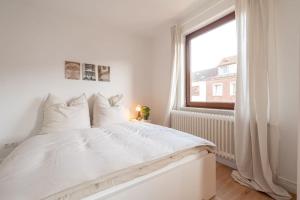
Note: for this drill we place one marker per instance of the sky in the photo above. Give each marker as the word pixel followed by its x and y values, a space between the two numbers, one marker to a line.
pixel 208 49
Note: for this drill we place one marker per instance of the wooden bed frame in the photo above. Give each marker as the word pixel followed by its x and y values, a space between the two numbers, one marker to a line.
pixel 191 178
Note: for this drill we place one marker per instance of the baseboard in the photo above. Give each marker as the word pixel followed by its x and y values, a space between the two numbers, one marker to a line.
pixel 229 163
pixel 287 184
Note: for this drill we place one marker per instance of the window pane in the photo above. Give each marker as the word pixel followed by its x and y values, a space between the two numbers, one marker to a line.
pixel 218 89
pixel 213 65
pixel 232 88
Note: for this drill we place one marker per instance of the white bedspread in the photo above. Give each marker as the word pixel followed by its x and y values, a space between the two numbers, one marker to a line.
pixel 49 163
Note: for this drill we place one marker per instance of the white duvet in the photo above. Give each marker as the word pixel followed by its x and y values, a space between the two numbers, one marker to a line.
pixel 49 163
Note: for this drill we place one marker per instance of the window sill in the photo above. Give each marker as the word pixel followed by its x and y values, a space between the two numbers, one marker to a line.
pixel 208 110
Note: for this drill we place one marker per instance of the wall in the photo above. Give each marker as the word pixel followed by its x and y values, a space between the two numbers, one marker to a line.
pixel 34 44
pixel 298 164
pixel 288 56
pixel 288 63
pixel 161 74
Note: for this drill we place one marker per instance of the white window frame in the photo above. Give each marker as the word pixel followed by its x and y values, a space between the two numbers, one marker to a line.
pixel 232 89
pixel 215 93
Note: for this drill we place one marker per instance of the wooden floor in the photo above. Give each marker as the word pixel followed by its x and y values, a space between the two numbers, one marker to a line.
pixel 228 189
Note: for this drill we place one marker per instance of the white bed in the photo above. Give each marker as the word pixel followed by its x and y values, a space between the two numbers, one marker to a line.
pixel 192 178
pixel 122 161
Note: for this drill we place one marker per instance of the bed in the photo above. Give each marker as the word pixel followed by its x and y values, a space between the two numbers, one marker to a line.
pixel 123 161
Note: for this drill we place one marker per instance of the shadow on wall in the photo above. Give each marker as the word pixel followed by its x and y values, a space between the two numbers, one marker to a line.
pixel 24 118
pixel 39 117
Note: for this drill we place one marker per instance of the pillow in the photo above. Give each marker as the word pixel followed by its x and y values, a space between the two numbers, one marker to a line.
pixel 114 100
pixel 60 116
pixel 107 111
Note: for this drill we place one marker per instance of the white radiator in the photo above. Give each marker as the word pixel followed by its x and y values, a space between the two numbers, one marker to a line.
pixel 217 128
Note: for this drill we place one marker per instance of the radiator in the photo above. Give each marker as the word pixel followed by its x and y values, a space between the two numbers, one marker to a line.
pixel 214 127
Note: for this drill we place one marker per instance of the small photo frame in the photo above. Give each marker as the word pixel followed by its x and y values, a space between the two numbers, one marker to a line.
pixel 103 73
pixel 89 72
pixel 72 70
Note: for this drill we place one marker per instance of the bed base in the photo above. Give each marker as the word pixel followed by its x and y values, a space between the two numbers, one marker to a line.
pixel 192 178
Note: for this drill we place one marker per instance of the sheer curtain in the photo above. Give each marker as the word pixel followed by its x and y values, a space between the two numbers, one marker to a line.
pixel 256 103
pixel 175 87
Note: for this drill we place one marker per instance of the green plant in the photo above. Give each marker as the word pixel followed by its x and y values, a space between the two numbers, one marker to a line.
pixel 145 110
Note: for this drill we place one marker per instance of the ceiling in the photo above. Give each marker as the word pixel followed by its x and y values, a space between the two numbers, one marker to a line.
pixel 139 16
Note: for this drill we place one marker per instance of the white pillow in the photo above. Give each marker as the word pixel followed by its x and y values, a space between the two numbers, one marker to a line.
pixel 60 116
pixel 104 113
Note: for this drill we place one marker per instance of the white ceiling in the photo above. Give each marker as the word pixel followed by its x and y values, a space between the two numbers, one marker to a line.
pixel 139 16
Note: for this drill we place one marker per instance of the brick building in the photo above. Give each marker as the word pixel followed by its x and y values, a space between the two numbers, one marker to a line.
pixel 217 84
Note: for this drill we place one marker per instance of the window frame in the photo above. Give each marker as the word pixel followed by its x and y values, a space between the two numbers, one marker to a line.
pixel 232 90
pixel 188 38
pixel 215 91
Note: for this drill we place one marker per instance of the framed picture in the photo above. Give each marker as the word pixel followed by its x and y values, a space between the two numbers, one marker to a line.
pixel 89 72
pixel 103 73
pixel 72 70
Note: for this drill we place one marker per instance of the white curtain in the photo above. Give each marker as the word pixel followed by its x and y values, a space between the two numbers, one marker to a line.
pixel 256 103
pixel 174 95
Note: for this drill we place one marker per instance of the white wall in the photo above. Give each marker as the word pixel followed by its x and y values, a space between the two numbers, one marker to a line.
pixel 288 62
pixel 288 56
pixel 35 42
pixel 161 73
pixel 298 165
pixel 298 144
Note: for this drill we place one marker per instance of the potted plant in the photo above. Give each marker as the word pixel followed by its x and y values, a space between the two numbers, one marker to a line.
pixel 145 110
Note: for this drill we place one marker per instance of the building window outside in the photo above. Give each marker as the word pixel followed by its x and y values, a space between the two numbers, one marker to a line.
pixel 232 88
pixel 227 70
pixel 217 89
pixel 195 90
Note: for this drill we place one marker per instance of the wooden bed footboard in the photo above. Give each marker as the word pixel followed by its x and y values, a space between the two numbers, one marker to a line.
pixel 193 178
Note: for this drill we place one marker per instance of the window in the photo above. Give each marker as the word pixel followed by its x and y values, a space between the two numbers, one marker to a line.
pixel 232 88
pixel 226 70
pixel 218 89
pixel 211 65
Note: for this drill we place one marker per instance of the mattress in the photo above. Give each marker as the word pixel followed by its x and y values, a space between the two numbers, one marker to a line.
pixel 77 163
pixel 123 176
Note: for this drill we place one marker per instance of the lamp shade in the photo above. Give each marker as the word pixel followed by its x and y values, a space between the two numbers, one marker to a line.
pixel 138 108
